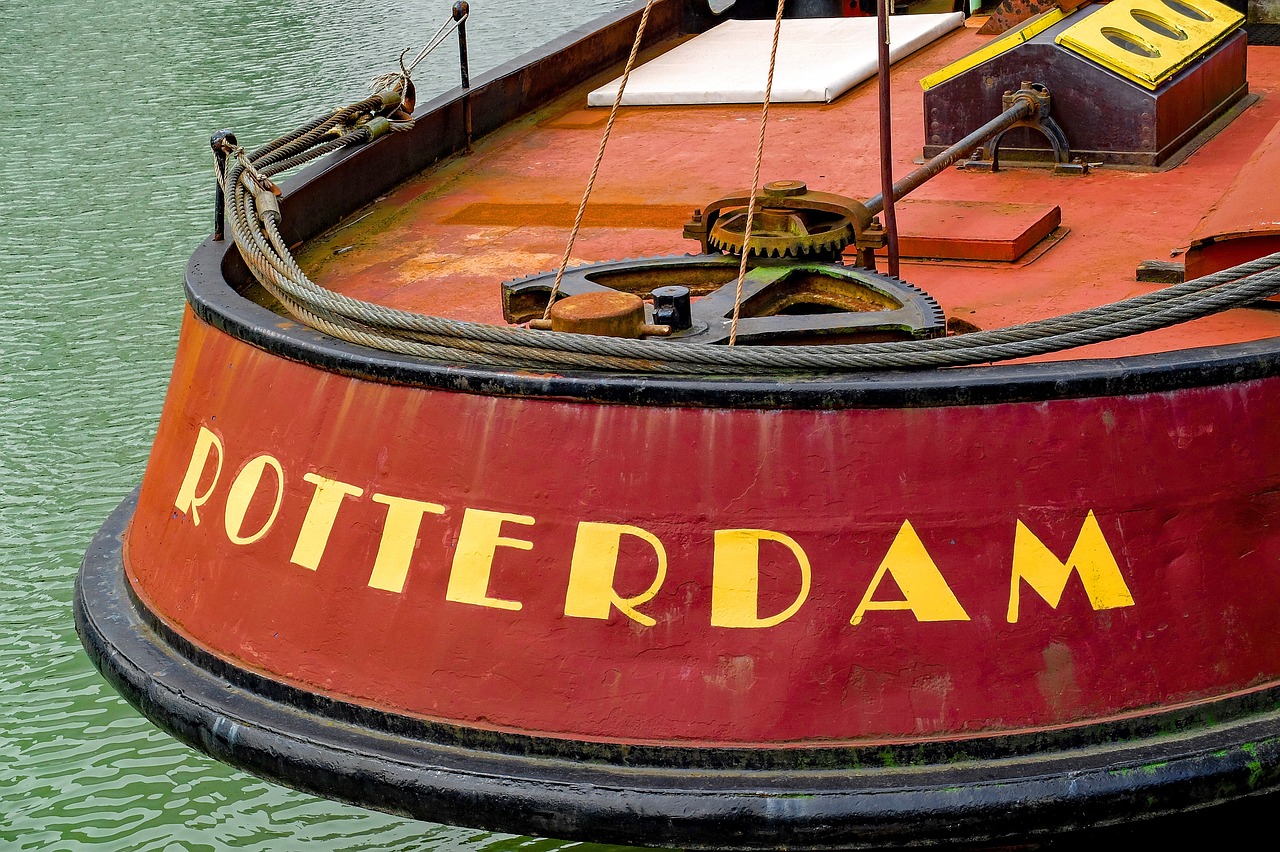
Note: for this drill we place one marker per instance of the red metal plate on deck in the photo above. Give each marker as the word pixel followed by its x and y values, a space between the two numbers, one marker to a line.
pixel 972 230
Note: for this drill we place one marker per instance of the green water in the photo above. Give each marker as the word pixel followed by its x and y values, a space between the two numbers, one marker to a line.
pixel 105 187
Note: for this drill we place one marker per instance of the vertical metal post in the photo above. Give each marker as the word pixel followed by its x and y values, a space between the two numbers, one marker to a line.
pixel 886 139
pixel 220 142
pixel 460 12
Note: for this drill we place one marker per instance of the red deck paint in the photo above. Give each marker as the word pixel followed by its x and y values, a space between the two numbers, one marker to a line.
pixel 425 248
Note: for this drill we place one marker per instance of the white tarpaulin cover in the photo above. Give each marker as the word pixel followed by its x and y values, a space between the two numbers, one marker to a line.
pixel 819 59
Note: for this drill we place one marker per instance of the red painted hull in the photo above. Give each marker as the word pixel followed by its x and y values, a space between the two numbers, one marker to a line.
pixel 829 611
pixel 1177 487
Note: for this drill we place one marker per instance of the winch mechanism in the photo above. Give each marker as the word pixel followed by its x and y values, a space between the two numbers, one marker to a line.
pixel 794 290
pixel 790 222
pixel 693 299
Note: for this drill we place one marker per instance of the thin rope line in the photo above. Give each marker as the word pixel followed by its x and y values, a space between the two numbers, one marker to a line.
pixel 401 81
pixel 755 179
pixel 595 168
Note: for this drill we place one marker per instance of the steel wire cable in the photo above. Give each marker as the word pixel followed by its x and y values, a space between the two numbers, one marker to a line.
pixel 454 341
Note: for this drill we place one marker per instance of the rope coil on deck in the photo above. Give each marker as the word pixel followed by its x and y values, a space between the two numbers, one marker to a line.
pixel 255 220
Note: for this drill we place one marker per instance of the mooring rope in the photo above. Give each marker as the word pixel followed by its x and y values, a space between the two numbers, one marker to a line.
pixel 755 178
pixel 595 168
pixel 254 217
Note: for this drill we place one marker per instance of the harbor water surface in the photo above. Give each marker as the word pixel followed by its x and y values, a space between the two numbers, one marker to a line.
pixel 106 185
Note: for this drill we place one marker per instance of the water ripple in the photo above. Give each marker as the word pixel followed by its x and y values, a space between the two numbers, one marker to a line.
pixel 106 184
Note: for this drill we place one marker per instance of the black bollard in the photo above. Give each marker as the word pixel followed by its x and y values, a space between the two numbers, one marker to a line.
pixel 220 142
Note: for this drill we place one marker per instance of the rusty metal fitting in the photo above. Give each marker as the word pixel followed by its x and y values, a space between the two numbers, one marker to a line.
pixel 223 142
pixel 377 126
pixel 256 181
pixel 391 98
pixel 460 10
pixel 790 220
pixel 1036 94
pixel 606 314
pixel 268 207
pixel 872 237
pixel 1027 107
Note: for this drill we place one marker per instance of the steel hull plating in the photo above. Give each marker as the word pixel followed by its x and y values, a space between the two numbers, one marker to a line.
pixel 785 576
pixel 1048 787
pixel 393 596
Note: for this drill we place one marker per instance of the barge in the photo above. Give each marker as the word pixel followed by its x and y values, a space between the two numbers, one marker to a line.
pixel 813 511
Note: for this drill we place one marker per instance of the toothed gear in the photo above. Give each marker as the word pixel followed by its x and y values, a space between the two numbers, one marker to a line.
pixel 825 301
pixel 789 222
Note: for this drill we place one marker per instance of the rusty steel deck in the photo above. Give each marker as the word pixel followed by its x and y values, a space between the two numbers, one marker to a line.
pixel 443 242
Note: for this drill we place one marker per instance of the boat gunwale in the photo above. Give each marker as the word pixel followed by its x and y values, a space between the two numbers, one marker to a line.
pixel 215 301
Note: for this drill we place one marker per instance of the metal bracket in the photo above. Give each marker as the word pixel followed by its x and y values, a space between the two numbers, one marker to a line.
pixel 987 158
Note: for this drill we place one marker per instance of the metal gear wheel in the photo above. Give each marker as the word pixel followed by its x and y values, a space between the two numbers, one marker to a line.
pixel 790 222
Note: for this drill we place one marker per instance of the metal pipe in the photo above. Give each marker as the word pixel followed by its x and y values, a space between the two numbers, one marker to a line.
pixel 1022 108
pixel 886 139
pixel 460 12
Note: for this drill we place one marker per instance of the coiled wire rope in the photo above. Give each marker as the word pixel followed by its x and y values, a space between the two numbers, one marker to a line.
pixel 254 216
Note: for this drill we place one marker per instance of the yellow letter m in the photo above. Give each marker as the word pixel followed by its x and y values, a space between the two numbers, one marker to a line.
pixel 1091 558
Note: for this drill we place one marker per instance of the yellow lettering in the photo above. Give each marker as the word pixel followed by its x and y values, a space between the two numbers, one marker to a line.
pixel 323 511
pixel 480 536
pixel 735 578
pixel 925 591
pixel 595 561
pixel 1091 558
pixel 399 537
pixel 242 491
pixel 188 501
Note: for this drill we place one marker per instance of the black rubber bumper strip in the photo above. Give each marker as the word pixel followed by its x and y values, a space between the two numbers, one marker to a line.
pixel 971 802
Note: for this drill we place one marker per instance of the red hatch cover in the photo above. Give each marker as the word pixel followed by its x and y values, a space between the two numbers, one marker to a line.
pixel 972 230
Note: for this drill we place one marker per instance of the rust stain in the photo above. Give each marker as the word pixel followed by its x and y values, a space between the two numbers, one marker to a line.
pixel 562 215
pixel 929 700
pixel 1057 682
pixel 579 119
pixel 735 674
